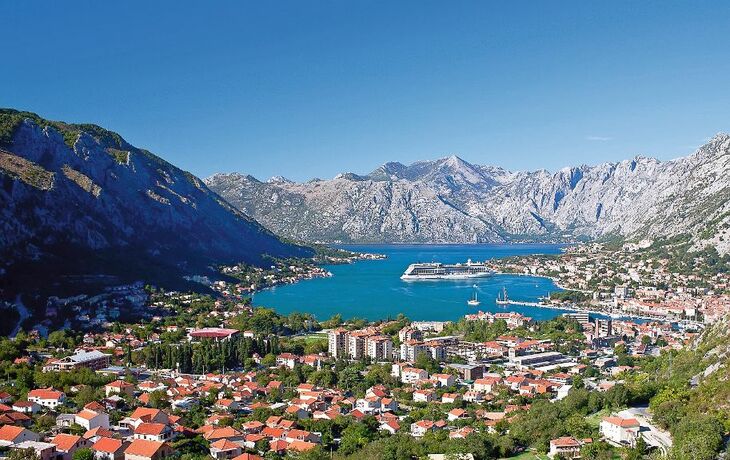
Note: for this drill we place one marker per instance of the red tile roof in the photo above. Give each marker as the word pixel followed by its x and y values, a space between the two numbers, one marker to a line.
pixel 108 445
pixel 45 393
pixel 65 442
pixel 154 429
pixel 622 422
pixel 10 432
pixel 144 448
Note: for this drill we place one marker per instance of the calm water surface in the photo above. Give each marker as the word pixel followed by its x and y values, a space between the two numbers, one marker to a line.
pixel 374 290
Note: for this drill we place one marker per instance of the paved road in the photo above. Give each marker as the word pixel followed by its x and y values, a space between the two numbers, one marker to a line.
pixel 653 435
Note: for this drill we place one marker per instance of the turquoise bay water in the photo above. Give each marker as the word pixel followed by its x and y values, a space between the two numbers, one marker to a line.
pixel 374 290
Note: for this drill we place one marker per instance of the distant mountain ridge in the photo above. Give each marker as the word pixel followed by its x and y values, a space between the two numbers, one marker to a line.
pixel 79 200
pixel 452 201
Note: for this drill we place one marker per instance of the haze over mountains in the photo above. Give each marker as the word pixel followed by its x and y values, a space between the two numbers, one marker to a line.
pixel 80 200
pixel 452 201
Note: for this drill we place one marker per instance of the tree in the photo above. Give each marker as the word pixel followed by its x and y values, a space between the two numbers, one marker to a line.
pixel 158 399
pixel 23 454
pixel 617 397
pixel 268 360
pixel 192 447
pixel 85 395
pixel 83 454
pixel 425 361
pixel 354 437
pixel 578 427
pixel 698 436
pixel 598 450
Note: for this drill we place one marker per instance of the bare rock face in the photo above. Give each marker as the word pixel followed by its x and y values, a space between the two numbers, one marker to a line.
pixel 81 199
pixel 450 200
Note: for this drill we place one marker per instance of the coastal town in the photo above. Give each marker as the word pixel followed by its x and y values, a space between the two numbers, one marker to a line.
pixel 214 377
pixel 365 231
pixel 631 280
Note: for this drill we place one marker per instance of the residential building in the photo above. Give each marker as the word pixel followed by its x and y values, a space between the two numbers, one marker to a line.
pixel 47 397
pixel 356 344
pixel 44 450
pixel 67 444
pixel 338 343
pixel 109 449
pixel 153 432
pixel 10 434
pixel 217 334
pixel 141 449
pixel 379 348
pixel 90 419
pixel 413 375
pixel 620 430
pixel 93 360
pixel 118 387
pixel 566 447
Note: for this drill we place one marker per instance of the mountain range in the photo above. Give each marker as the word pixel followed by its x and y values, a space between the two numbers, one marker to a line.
pixel 79 201
pixel 452 201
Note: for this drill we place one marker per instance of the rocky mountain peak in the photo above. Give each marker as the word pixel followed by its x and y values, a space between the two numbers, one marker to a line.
pixel 451 200
pixel 718 145
pixel 279 180
pixel 349 176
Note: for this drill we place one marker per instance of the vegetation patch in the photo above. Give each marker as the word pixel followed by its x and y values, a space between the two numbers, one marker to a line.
pixel 11 119
pixel 82 181
pixel 27 171
pixel 120 156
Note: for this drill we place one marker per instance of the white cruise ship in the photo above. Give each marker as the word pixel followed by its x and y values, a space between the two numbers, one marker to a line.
pixel 439 271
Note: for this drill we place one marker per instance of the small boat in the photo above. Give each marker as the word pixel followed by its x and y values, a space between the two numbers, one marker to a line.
pixel 504 300
pixel 474 301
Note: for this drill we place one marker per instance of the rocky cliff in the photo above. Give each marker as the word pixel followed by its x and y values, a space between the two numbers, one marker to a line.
pixel 78 200
pixel 451 200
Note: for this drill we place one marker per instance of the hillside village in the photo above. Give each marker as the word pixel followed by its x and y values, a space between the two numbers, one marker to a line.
pixel 218 378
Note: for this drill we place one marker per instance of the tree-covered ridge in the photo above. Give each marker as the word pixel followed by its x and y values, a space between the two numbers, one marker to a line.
pixel 10 120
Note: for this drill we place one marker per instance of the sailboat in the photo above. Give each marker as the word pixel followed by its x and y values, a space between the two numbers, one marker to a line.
pixel 474 301
pixel 504 300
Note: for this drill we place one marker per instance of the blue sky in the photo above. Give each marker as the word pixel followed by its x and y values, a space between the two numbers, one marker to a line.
pixel 309 89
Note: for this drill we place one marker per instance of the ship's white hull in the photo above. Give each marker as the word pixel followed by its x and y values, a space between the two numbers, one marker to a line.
pixel 443 277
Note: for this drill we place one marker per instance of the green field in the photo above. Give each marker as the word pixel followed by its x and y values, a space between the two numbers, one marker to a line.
pixel 595 419
pixel 314 337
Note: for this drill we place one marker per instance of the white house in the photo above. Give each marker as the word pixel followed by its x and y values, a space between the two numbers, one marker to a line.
pixel 11 434
pixel 26 407
pixel 566 447
pixel 90 419
pixel 456 414
pixel 620 430
pixel 158 432
pixel 369 405
pixel 47 397
pixel 423 395
pixel 486 384
pixel 420 428
pixel 444 380
pixel 413 375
